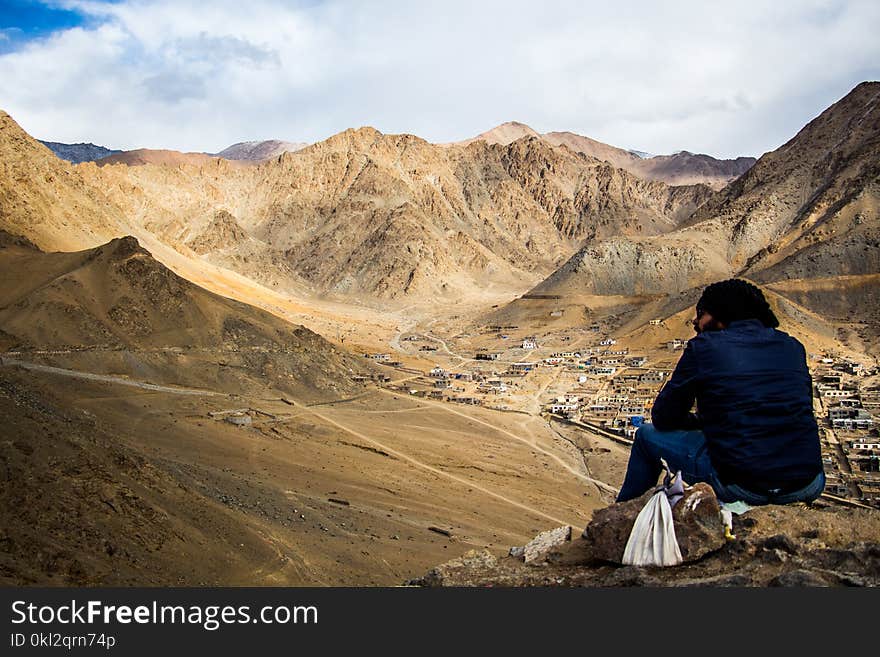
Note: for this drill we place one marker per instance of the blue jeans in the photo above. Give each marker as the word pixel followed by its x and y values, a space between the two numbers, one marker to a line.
pixel 686 451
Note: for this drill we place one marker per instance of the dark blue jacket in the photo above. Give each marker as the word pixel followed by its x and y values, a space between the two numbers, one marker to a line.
pixel 754 404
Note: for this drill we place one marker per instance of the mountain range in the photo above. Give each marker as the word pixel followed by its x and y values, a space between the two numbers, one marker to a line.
pixel 395 218
pixel 247 150
pixel 681 168
pixel 360 213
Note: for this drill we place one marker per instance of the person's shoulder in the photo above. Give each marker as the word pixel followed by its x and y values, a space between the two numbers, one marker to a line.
pixel 706 338
pixel 697 344
pixel 782 336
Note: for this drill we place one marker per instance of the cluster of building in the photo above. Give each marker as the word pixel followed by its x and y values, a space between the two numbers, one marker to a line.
pixel 614 390
pixel 619 404
pixel 851 445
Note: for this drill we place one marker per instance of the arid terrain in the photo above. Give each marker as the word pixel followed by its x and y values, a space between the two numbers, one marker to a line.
pixel 337 363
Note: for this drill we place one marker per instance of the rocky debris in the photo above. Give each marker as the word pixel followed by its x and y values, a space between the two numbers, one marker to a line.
pixel 542 544
pixel 798 578
pixel 452 570
pixel 440 530
pixel 780 542
pixel 792 545
pixel 698 526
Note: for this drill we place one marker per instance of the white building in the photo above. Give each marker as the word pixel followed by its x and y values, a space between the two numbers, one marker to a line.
pixel 865 443
pixel 857 419
pixel 561 409
pixel 838 394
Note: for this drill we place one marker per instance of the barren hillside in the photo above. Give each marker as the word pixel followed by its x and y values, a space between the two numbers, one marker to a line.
pixel 117 300
pixel 48 200
pixel 806 210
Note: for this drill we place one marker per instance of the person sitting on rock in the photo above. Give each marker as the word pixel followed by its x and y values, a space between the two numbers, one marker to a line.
pixel 754 437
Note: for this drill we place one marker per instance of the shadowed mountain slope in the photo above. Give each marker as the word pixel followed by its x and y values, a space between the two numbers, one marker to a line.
pixel 806 210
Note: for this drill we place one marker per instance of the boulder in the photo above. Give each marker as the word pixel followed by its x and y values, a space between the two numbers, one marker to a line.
pixel 542 544
pixel 697 517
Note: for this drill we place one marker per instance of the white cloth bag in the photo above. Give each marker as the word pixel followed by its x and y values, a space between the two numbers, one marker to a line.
pixel 652 540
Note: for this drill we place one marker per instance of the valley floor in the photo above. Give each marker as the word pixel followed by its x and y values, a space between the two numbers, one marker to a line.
pixel 364 491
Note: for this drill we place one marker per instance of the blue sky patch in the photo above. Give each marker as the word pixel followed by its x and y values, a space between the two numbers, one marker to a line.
pixel 22 21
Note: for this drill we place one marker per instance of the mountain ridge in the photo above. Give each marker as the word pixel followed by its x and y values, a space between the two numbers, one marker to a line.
pixel 680 168
pixel 81 152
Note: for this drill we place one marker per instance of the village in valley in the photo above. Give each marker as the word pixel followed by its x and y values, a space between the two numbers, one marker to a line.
pixel 582 377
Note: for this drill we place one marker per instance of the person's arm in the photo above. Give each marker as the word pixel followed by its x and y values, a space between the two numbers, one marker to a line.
pixel 672 408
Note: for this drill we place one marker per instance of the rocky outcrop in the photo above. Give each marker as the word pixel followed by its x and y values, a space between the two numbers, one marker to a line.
pixel 224 232
pixel 539 546
pixel 793 545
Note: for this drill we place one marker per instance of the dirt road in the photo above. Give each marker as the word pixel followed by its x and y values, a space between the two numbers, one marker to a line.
pixel 107 378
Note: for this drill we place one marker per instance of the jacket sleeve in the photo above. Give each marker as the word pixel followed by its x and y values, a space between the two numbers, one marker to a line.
pixel 672 408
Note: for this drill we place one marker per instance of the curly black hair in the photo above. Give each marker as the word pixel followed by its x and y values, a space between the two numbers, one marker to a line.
pixel 735 299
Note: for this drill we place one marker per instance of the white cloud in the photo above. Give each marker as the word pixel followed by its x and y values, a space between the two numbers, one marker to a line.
pixel 732 79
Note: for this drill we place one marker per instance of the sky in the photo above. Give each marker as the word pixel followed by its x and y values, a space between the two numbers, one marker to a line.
pixel 726 79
